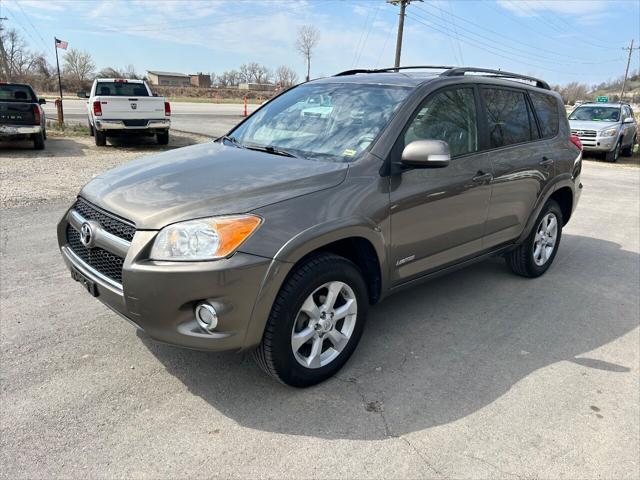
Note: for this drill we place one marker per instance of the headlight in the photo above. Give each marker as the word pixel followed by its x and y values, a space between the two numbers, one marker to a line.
pixel 203 239
pixel 611 132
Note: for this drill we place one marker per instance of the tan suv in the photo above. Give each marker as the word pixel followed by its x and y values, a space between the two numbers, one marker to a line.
pixel 279 236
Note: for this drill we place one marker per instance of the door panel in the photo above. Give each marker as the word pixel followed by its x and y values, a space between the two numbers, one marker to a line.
pixel 521 161
pixel 438 215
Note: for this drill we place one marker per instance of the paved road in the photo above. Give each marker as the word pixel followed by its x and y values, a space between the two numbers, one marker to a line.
pixel 203 118
pixel 479 374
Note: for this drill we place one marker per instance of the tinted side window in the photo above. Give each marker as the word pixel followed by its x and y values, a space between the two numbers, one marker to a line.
pixel 508 117
pixel 547 109
pixel 450 116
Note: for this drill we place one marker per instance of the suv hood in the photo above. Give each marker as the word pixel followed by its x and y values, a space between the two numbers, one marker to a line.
pixel 586 125
pixel 206 180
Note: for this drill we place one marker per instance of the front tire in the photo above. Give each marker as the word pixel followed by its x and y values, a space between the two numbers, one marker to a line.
pixel 628 151
pixel 613 155
pixel 100 138
pixel 315 323
pixel 535 255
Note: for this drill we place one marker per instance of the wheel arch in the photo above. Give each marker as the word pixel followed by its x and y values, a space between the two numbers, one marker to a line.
pixel 361 243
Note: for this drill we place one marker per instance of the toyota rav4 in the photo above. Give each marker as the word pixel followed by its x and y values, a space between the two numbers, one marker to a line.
pixel 280 235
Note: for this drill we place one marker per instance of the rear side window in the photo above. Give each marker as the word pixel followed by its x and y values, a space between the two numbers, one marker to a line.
pixel 121 89
pixel 508 117
pixel 547 109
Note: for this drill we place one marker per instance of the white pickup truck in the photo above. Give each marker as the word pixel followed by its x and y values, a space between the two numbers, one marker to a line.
pixel 124 107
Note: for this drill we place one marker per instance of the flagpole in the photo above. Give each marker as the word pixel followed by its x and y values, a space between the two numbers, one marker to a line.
pixel 60 111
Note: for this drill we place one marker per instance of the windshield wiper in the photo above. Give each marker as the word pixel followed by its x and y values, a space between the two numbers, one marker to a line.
pixel 270 149
pixel 232 140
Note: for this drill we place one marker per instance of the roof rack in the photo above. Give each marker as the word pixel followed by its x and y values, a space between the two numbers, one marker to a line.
pixel 393 69
pixel 450 71
pixel 454 72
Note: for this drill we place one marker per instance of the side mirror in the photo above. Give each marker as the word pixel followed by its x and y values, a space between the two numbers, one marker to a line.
pixel 628 120
pixel 42 101
pixel 426 154
pixel 83 95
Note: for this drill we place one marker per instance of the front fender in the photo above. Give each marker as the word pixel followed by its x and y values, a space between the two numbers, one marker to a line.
pixel 296 248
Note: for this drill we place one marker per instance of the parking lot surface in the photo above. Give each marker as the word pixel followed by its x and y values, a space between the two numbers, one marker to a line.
pixel 479 374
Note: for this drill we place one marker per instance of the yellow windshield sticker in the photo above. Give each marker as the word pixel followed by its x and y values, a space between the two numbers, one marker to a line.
pixel 349 153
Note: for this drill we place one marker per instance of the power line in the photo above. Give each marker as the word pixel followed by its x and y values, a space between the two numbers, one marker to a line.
pixel 562 61
pixel 44 44
pixel 375 15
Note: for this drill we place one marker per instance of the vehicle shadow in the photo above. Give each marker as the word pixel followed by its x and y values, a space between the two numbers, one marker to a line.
pixel 439 351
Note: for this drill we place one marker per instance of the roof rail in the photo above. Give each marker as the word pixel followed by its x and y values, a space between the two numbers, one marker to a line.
pixel 454 72
pixel 392 69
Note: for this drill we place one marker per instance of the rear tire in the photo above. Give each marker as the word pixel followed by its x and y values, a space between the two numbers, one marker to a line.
pixel 628 151
pixel 613 155
pixel 100 137
pixel 535 255
pixel 302 349
pixel 38 141
pixel 163 138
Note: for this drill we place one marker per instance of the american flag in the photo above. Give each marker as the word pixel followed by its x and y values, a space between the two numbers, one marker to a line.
pixel 61 44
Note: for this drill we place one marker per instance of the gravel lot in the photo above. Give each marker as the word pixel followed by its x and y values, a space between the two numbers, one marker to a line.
pixel 57 173
pixel 479 374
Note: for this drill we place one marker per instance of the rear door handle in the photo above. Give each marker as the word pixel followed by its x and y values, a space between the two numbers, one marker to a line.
pixel 482 177
pixel 546 162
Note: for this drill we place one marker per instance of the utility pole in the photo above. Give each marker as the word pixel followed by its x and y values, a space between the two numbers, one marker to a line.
pixel 4 64
pixel 626 72
pixel 403 5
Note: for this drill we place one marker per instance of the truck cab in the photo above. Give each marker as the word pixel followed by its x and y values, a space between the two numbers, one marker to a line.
pixel 126 107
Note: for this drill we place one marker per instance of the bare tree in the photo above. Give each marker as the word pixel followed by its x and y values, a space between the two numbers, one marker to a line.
pixel 78 67
pixel 308 37
pixel 285 76
pixel 572 91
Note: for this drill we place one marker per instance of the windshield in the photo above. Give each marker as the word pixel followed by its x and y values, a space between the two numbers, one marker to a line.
pixel 16 93
pixel 121 89
pixel 596 114
pixel 322 121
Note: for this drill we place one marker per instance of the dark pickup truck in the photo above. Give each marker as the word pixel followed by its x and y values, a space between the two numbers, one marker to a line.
pixel 21 114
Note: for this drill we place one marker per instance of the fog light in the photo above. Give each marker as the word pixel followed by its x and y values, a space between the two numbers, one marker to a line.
pixel 206 316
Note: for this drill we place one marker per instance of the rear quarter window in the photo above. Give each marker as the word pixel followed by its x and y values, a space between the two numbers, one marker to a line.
pixel 547 109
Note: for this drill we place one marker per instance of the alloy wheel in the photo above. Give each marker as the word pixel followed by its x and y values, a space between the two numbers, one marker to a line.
pixel 324 324
pixel 545 240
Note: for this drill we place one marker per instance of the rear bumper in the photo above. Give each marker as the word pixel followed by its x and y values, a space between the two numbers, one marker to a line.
pixel 153 125
pixel 10 130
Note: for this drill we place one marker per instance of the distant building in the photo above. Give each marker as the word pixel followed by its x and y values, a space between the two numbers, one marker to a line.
pixel 265 87
pixel 170 79
pixel 200 80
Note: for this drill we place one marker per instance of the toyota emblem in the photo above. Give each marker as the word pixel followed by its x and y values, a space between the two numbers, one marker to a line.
pixel 87 235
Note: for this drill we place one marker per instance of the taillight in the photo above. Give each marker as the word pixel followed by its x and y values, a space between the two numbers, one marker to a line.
pixel 36 115
pixel 576 141
pixel 97 108
pixel 167 109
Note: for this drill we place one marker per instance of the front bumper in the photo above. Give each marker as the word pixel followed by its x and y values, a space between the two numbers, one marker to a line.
pixel 160 124
pixel 598 144
pixel 11 130
pixel 159 297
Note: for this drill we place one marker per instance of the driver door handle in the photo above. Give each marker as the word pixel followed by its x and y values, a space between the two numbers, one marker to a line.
pixel 482 177
pixel 546 162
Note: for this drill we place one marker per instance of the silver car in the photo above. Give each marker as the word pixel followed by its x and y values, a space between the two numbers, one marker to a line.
pixel 608 128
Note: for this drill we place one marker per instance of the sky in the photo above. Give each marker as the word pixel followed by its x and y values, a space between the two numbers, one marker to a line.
pixel 557 40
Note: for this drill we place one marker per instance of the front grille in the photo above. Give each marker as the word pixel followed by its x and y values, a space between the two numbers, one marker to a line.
pixel 584 133
pixel 111 224
pixel 135 123
pixel 106 263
